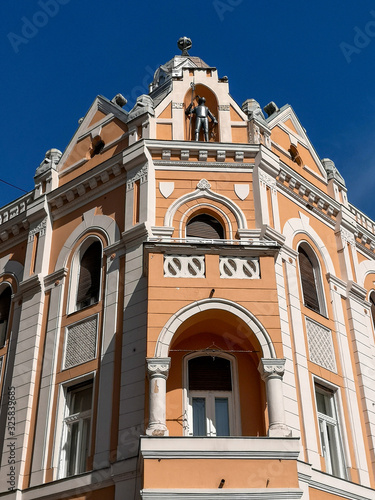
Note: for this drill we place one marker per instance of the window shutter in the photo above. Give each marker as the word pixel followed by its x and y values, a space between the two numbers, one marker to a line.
pixel 310 293
pixel 207 373
pixel 204 226
pixel 89 276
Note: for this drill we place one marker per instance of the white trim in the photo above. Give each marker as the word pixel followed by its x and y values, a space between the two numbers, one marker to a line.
pixel 75 273
pixel 333 485
pixel 295 226
pixel 170 328
pixel 233 399
pixel 230 494
pixel 250 448
pixel 211 195
pixel 212 207
pixel 318 275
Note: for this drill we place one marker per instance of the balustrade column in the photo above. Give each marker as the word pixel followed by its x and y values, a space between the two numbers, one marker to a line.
pixel 157 370
pixel 272 371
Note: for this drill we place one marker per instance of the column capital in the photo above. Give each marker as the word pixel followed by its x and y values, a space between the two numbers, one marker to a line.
pixel 271 367
pixel 158 367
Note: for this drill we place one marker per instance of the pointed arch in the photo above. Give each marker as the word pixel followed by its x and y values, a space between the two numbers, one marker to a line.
pixel 166 335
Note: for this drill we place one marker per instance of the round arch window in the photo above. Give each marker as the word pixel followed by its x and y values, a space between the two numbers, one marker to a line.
pixel 204 226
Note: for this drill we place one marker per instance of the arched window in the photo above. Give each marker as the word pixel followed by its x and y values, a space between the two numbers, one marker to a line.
pixel 89 276
pixel 372 302
pixel 5 303
pixel 204 226
pixel 210 398
pixel 310 279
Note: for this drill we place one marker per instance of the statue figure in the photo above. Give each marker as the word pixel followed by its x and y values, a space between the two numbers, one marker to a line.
pixel 202 113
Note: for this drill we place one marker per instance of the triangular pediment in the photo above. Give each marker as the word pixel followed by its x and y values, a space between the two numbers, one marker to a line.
pixel 104 119
pixel 287 131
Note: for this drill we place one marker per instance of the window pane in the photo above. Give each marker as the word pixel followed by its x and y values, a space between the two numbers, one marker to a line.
pixel 335 452
pixel 199 417
pixel 89 276
pixel 209 374
pixel 82 400
pixel 222 417
pixel 73 447
pixel 310 293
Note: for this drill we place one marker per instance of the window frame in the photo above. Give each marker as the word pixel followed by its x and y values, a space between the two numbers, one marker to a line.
pixel 318 278
pixel 234 409
pixel 341 449
pixel 62 414
pixel 75 274
pixel 3 286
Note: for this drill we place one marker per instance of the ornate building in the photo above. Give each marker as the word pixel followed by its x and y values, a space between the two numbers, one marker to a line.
pixel 183 318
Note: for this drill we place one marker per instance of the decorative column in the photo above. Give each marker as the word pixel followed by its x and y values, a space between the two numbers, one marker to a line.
pixel 157 370
pixel 272 371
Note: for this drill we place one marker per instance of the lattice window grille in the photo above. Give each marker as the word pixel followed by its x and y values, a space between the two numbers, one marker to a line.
pixel 320 345
pixel 80 345
pixel 184 266
pixel 239 267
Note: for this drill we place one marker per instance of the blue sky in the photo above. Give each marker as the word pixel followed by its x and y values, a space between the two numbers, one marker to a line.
pixel 57 55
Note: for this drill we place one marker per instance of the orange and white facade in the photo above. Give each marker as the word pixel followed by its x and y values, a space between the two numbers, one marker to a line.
pixel 187 319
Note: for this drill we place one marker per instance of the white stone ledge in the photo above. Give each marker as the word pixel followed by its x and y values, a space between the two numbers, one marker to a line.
pixel 232 494
pixel 220 447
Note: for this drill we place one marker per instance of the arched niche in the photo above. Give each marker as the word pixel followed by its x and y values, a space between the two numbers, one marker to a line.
pixel 217 334
pixel 213 106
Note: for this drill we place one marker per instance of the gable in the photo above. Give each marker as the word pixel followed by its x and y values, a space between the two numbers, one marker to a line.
pixel 291 143
pixel 97 138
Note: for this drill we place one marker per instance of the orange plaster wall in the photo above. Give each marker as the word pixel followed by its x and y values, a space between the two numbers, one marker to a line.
pixel 17 253
pixel 239 134
pixel 290 125
pixel 99 115
pixel 186 182
pixel 216 331
pixel 204 473
pixel 282 138
pixel 164 131
pixel 167 112
pixel 168 295
pixel 111 204
pixel 110 132
pixel 234 116
pixel 322 495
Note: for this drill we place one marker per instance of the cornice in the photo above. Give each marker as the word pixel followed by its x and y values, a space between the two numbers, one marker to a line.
pixel 54 279
pixel 140 231
pixel 356 291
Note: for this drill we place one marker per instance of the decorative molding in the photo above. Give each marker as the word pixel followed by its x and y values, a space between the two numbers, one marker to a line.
pixel 239 267
pixel 184 266
pixel 242 191
pixel 266 180
pixel 177 105
pixel 224 107
pixel 140 175
pixel 158 367
pixel 203 184
pixel 271 367
pixel 166 188
pixel 347 236
pixel 202 155
pixel 56 278
pixel 40 228
pixel 227 494
pixel 320 344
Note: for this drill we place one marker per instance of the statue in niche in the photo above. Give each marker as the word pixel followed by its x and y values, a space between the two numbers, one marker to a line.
pixel 202 113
